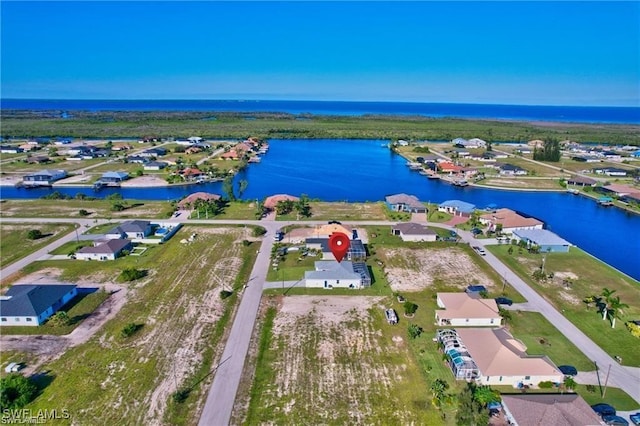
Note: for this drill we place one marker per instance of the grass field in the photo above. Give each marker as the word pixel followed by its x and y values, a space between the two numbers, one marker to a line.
pixel 97 208
pixel 341 211
pixel 335 360
pixel 15 245
pixel 113 380
pixel 588 276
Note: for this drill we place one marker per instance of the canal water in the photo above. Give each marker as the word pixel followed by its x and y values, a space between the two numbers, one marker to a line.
pixel 366 170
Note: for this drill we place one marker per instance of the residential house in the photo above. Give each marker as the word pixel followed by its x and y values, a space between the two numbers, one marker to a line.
pixel 121 147
pixel 154 165
pixel 331 274
pixel 271 201
pixel 230 155
pixel 636 154
pixel 545 240
pixel 191 173
pixel 31 304
pixel 356 251
pixel 405 203
pixel 457 208
pixel 586 158
pixel 28 147
pixel 104 250
pixel 413 232
pixel 581 180
pixel 531 409
pixel 147 139
pixel 192 150
pixel 153 152
pixel 512 170
pixel 492 356
pixel 619 190
pixel 611 171
pixel 462 309
pixel 9 149
pixel 137 159
pixel 130 229
pixel 114 177
pixel 509 220
pixel 190 200
pixel 536 143
pixel 37 159
pixel 44 177
pixel 449 168
pixel 471 143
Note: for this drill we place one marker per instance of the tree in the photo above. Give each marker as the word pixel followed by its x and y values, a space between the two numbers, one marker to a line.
pixel 470 411
pixel 414 331
pixel 606 296
pixel 410 308
pixel 83 212
pixel 302 205
pixel 499 229
pixel 227 188
pixel 569 383
pixel 616 308
pixel 485 395
pixel 242 187
pixel 505 314
pixel 438 390
pixel 284 207
pixel 34 234
pixel 550 151
pixel 16 391
pixel 131 274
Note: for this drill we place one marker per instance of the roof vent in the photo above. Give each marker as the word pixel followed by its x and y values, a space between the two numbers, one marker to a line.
pixel 5 297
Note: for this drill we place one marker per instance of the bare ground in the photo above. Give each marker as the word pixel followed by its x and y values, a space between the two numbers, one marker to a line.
pixel 415 270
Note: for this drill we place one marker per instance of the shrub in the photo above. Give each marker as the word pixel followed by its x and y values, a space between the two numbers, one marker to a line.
pixel 545 385
pixel 83 212
pixel 633 328
pixel 410 308
pixel 34 234
pixel 414 331
pixel 225 293
pixel 59 319
pixel 246 243
pixel 130 329
pixel 131 274
pixel 17 391
pixel 180 395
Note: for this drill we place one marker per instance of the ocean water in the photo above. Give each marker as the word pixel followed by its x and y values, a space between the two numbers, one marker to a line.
pixel 364 170
pixel 576 114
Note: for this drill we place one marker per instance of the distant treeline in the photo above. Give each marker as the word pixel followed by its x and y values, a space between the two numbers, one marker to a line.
pixel 238 125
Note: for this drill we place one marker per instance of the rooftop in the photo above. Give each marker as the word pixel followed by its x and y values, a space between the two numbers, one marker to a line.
pixel 510 219
pixel 410 228
pixel 108 247
pixel 552 409
pixel 462 305
pixel 541 237
pixel 410 200
pixel 459 205
pixel 31 299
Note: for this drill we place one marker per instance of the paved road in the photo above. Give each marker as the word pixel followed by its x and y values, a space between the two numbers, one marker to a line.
pixel 220 400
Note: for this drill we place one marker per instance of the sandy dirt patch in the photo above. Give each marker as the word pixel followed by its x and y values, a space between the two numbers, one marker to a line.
pixel 81 178
pixel 415 270
pixel 330 354
pixel 144 181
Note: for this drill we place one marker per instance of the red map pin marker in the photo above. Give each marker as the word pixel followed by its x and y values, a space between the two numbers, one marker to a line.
pixel 339 245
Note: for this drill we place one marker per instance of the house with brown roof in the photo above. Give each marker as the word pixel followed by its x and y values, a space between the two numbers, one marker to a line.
pixel 450 168
pixel 413 232
pixel 502 360
pixel 510 221
pixel 271 201
pixel 549 409
pixel 461 309
pixel 190 173
pixel 620 190
pixel 189 201
pixel 581 180
pixel 230 155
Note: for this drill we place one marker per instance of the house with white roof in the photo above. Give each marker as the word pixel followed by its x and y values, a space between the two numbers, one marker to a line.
pixel 44 177
pixel 330 274
pixel 462 309
pixel 546 240
pixel 405 203
pixel 31 305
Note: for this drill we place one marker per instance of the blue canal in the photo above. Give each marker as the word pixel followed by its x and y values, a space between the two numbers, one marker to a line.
pixel 364 170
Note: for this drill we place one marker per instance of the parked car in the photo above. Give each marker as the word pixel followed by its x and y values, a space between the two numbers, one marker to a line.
pixel 635 418
pixel 475 288
pixel 505 301
pixel 568 370
pixel 334 222
pixel 615 420
pixel 392 317
pixel 14 367
pixel 604 409
pixel 480 250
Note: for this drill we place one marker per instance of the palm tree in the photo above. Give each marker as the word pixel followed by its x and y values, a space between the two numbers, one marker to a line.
pixel 607 296
pixel 615 309
pixel 438 389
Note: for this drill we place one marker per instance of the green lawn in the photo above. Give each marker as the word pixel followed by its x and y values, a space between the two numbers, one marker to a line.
pixel 234 210
pixel 71 247
pixel 14 244
pixel 614 396
pixel 592 276
pixel 98 208
pixel 175 338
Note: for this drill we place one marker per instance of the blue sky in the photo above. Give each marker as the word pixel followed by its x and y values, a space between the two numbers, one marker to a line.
pixel 537 53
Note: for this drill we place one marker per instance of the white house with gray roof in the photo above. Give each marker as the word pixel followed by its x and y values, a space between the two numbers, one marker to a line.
pixel 331 274
pixel 413 232
pixel 130 229
pixel 546 240
pixel 31 305
pixel 405 203
pixel 106 250
pixel 43 177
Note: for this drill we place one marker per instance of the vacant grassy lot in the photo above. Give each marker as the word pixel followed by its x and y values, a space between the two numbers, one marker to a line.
pixel 586 276
pixel 15 245
pixel 523 182
pixel 97 209
pixel 341 211
pixel 233 210
pixel 335 360
pixel 116 380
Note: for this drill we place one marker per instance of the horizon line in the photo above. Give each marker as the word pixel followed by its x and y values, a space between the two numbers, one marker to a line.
pixel 312 100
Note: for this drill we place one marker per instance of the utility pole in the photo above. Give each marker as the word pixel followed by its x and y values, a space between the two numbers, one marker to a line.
pixel 606 380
